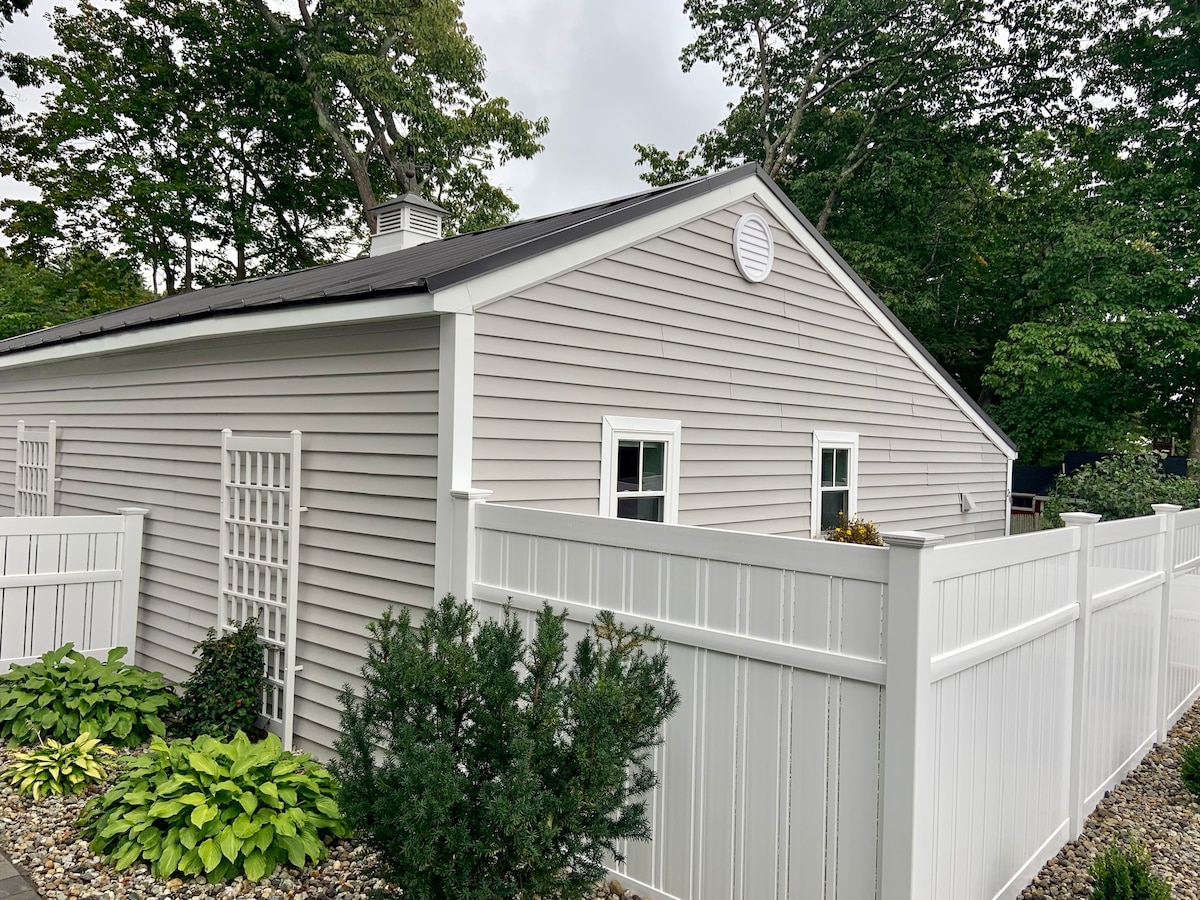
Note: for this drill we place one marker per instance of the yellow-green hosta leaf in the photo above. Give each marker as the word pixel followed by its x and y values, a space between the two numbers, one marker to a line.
pixel 202 815
pixel 230 843
pixel 256 866
pixel 210 854
pixel 202 763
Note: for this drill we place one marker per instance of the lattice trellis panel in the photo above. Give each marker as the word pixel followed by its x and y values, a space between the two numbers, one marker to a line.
pixel 260 539
pixel 35 470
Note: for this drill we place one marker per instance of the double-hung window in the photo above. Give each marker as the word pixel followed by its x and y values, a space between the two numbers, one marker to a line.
pixel 835 478
pixel 639 469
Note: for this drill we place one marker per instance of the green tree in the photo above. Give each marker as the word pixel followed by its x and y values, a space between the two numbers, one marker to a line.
pixel 1110 345
pixel 180 135
pixel 479 765
pixel 398 88
pixel 72 286
pixel 1120 486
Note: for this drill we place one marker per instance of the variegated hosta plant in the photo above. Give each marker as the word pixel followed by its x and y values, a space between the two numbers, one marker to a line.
pixel 206 807
pixel 58 768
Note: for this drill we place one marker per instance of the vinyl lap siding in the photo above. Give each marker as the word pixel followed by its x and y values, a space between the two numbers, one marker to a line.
pixel 143 429
pixel 668 329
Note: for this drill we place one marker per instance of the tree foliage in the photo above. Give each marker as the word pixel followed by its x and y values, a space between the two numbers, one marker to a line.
pixel 1016 181
pixel 214 140
pixel 1120 486
pixel 178 135
pixel 72 286
pixel 400 82
pixel 479 765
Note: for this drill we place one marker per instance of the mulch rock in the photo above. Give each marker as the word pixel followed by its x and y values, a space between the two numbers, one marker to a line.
pixel 1150 807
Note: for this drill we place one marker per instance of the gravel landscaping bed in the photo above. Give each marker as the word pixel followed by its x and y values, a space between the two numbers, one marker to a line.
pixel 42 839
pixel 1150 807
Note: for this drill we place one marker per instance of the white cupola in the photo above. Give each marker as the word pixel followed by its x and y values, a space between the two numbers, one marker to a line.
pixel 406 222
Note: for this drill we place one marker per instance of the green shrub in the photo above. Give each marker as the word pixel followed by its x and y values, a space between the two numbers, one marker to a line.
pixel 1189 767
pixel 854 531
pixel 57 768
pixel 66 693
pixel 477 765
pixel 216 809
pixel 1120 486
pixel 1124 874
pixel 224 693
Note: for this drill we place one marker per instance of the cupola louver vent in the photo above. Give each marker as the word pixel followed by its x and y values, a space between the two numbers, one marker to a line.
pixel 406 222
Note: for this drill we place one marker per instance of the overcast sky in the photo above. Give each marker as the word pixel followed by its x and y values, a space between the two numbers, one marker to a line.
pixel 605 72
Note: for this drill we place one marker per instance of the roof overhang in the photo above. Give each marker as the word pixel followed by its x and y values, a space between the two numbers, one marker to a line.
pixel 281 318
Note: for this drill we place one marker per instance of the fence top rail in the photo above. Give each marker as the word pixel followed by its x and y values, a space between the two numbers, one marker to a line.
pixel 1121 530
pixel 954 560
pixel 41 525
pixel 769 551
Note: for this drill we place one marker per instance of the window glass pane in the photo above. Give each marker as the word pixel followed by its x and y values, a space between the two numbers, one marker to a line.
pixel 832 503
pixel 628 454
pixel 835 466
pixel 827 467
pixel 654 455
pixel 648 509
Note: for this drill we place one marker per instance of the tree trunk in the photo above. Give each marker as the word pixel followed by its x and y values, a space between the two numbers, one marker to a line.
pixel 1194 443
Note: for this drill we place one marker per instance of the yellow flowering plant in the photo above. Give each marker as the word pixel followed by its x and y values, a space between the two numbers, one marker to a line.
pixel 854 531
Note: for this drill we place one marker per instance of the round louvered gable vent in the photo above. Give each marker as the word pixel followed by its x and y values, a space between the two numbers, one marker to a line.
pixel 753 247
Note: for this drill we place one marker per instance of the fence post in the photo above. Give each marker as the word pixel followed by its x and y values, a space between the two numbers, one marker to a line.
pixel 131 579
pixel 462 559
pixel 1086 523
pixel 906 836
pixel 1162 706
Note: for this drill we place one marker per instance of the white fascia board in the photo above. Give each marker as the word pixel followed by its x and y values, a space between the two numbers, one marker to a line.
pixel 276 318
pixel 848 284
pixel 504 282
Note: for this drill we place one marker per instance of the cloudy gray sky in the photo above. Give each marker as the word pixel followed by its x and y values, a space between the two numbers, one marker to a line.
pixel 606 73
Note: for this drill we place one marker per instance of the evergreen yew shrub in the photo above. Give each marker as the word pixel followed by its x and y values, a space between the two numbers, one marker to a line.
pixel 478 765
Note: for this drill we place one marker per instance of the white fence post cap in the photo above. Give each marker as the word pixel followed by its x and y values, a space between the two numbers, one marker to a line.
pixel 1080 518
pixel 133 511
pixel 916 539
pixel 1163 509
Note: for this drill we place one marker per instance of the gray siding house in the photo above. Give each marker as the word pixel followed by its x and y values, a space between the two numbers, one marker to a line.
pixel 693 354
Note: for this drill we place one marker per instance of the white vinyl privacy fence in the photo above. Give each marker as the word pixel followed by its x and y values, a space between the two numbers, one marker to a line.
pixel 921 721
pixel 69 578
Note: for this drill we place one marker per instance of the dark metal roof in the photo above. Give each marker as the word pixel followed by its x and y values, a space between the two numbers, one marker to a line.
pixel 440 264
pixel 421 269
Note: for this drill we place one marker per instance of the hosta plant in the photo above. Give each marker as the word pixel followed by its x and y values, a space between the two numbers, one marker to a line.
pixel 216 809
pixel 58 768
pixel 66 693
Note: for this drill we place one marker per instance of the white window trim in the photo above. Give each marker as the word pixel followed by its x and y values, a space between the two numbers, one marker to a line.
pixel 628 428
pixel 833 440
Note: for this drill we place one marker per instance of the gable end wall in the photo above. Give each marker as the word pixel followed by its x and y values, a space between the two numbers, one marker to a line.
pixel 669 329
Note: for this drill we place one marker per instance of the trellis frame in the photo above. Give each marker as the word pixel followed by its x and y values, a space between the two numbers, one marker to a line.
pixel 259 547
pixel 34 477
